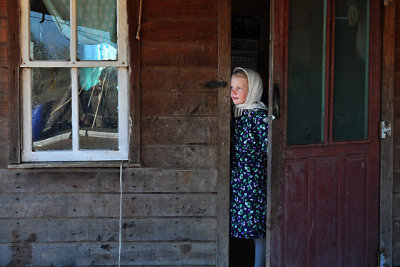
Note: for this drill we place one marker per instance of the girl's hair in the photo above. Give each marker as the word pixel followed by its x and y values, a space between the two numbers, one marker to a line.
pixel 239 72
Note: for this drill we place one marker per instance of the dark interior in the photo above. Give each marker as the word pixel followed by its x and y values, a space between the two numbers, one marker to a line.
pixel 250 48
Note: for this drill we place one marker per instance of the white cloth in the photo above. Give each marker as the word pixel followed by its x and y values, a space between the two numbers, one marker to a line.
pixel 253 100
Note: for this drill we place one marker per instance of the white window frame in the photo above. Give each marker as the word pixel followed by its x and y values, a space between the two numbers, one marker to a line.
pixel 73 64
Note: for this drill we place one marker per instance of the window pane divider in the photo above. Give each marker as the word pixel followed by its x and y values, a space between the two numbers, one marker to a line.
pixel 72 64
pixel 75 109
pixel 73 40
pixel 25 31
pixel 27 110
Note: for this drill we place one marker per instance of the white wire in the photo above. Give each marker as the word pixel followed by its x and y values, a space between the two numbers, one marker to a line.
pixel 120 215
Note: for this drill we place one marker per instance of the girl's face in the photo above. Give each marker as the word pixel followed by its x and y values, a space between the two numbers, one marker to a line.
pixel 239 89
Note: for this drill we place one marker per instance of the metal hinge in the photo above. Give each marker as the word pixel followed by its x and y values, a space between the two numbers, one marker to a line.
pixel 385 129
pixel 382 261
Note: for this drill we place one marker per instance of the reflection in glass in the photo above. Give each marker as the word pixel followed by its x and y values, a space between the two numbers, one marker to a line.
pixel 97 29
pixel 51 109
pixel 49 29
pixel 98 109
pixel 306 89
pixel 350 102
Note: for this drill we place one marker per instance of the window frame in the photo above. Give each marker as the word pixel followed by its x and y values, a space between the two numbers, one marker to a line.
pixel 73 65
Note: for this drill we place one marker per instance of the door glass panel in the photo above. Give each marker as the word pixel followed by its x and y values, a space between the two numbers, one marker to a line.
pixel 97 29
pixel 350 101
pixel 306 72
pixel 51 109
pixel 50 30
pixel 98 110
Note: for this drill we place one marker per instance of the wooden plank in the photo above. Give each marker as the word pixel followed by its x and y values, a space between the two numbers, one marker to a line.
pixel 103 229
pixel 13 82
pixel 3 54
pixel 180 131
pixel 179 31
pixel 134 82
pixel 103 181
pixel 16 205
pixel 158 80
pixel 297 184
pixel 224 108
pixel 387 154
pixel 179 156
pixel 4 132
pixel 4 155
pixel 3 8
pixel 3 106
pixel 173 104
pixel 3 80
pixel 106 254
pixel 180 9
pixel 177 54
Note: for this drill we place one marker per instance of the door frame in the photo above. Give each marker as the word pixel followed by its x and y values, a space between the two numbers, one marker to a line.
pixel 387 114
pixel 223 148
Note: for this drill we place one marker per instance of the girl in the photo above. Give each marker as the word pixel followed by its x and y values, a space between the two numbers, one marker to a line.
pixel 248 160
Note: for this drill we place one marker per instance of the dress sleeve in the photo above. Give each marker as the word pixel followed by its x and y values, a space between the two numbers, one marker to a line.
pixel 262 132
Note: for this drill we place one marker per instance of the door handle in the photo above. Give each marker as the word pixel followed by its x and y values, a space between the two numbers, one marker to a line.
pixel 276 101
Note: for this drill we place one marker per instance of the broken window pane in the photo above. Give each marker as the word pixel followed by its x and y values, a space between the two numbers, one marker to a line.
pixel 49 30
pixel 51 109
pixel 97 29
pixel 98 109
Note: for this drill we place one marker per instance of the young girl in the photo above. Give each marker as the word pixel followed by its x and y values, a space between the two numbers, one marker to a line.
pixel 248 160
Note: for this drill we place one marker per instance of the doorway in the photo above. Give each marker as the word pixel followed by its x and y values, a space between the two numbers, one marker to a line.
pixel 249 49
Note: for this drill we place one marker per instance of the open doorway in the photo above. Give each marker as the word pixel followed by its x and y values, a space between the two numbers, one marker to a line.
pixel 250 49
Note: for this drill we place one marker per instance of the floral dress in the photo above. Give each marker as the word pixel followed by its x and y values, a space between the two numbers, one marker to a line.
pixel 248 174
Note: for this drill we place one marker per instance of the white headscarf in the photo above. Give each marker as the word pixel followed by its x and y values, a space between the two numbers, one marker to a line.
pixel 254 95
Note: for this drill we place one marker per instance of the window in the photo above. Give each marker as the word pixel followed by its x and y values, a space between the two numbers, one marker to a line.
pixel 74 80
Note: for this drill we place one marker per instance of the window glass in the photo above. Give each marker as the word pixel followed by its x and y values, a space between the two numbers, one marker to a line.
pixel 49 38
pixel 97 29
pixel 350 102
pixel 306 77
pixel 98 110
pixel 51 109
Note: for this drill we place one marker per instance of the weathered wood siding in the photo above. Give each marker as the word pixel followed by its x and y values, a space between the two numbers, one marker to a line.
pixel 396 150
pixel 70 216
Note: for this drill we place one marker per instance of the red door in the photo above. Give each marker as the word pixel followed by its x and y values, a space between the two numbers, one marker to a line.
pixel 325 162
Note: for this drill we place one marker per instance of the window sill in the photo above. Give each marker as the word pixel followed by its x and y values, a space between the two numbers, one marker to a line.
pixel 97 164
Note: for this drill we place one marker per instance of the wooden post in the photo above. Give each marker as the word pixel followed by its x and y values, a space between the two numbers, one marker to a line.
pixel 13 81
pixel 224 66
pixel 386 172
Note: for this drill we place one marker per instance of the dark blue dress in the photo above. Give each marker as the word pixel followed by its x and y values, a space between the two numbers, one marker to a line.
pixel 248 174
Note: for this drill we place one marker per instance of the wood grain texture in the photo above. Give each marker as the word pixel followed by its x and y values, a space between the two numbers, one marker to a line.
pixel 179 131
pixel 106 253
pixel 14 58
pixel 59 181
pixel 104 229
pixel 177 80
pixel 4 130
pixel 180 156
pixel 179 55
pixel 386 149
pixel 180 9
pixel 16 205
pixel 179 104
pixel 179 31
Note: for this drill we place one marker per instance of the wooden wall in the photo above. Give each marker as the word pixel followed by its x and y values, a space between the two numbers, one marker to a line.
pixel 69 216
